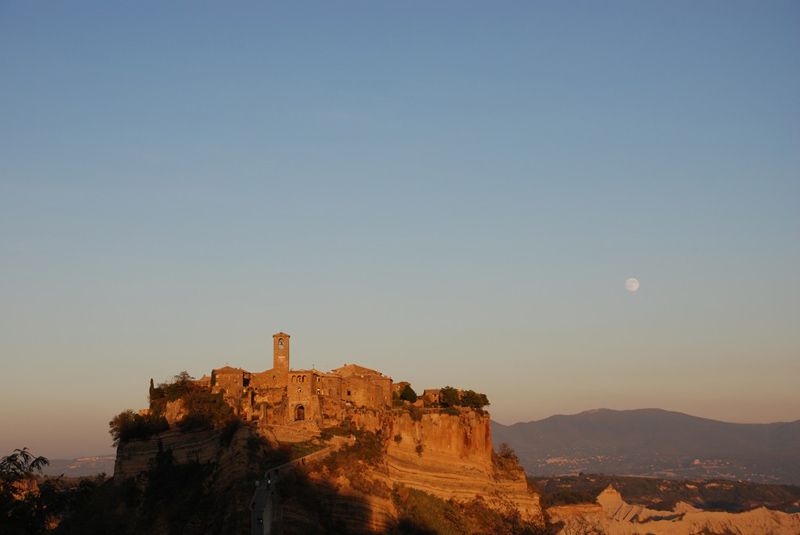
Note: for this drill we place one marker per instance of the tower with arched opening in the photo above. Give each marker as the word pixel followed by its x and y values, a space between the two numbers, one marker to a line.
pixel 280 352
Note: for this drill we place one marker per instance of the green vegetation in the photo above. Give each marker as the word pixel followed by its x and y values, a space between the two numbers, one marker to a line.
pixel 505 460
pixel 21 511
pixel 31 505
pixel 451 397
pixel 367 449
pixel 203 410
pixel 408 394
pixel 423 514
pixel 19 465
pixel 356 461
pixel 474 400
pixel 415 412
pixel 663 494
pixel 344 429
pixel 128 425
pixel 181 385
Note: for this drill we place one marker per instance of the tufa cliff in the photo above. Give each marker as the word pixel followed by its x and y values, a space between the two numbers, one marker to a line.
pixel 374 456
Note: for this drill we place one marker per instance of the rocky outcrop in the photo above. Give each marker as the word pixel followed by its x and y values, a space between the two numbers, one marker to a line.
pixel 613 516
pixel 137 456
pixel 447 455
pixel 174 412
pixel 450 456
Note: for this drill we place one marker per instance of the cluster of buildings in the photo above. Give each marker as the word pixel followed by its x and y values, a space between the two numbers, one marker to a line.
pixel 305 398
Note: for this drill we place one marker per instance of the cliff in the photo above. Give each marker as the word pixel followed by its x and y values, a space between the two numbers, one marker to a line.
pixel 136 457
pixel 451 456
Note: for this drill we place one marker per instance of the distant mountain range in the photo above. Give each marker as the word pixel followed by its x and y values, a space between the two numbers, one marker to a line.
pixel 82 466
pixel 657 443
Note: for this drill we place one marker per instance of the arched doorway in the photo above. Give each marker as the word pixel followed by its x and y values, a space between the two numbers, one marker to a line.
pixel 299 413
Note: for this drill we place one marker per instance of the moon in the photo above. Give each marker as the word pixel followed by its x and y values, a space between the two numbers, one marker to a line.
pixel 632 284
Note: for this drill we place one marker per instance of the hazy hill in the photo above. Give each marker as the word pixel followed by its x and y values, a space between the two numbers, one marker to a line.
pixel 82 466
pixel 655 442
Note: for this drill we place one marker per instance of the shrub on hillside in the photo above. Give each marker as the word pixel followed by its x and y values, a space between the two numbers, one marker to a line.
pixel 505 459
pixel 423 513
pixel 181 386
pixel 451 397
pixel 205 410
pixel 448 397
pixel 408 394
pixel 415 413
pixel 474 400
pixel 368 448
pixel 128 425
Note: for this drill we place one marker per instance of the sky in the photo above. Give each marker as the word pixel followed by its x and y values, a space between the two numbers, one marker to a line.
pixel 453 193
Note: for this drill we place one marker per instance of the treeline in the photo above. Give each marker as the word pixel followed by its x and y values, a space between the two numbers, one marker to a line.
pixel 449 397
pixel 452 397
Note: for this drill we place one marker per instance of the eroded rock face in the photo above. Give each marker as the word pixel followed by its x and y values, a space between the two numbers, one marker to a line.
pixel 613 516
pixel 136 457
pixel 174 412
pixel 450 456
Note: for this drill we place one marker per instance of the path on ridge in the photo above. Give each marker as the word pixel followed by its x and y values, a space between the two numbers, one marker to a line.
pixel 264 501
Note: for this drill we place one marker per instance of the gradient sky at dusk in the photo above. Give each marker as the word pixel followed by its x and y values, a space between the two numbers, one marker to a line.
pixel 449 192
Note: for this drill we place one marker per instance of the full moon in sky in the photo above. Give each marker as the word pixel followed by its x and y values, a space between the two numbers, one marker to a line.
pixel 632 284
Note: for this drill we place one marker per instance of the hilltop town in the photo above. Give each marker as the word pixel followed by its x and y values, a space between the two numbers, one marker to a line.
pixel 365 442
pixel 293 405
pixel 305 399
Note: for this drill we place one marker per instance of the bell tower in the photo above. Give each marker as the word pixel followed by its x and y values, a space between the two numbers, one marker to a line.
pixel 280 352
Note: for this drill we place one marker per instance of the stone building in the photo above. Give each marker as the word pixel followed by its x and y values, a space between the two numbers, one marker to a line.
pixel 306 398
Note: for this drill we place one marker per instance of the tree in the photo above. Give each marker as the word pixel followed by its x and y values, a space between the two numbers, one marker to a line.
pixel 128 425
pixel 183 378
pixel 507 452
pixel 448 397
pixel 473 399
pixel 20 464
pixel 22 508
pixel 408 394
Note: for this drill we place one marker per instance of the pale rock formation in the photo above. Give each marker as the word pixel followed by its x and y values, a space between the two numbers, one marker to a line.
pixel 613 516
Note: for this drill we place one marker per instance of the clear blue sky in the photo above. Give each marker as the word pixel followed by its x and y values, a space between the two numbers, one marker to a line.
pixel 450 192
